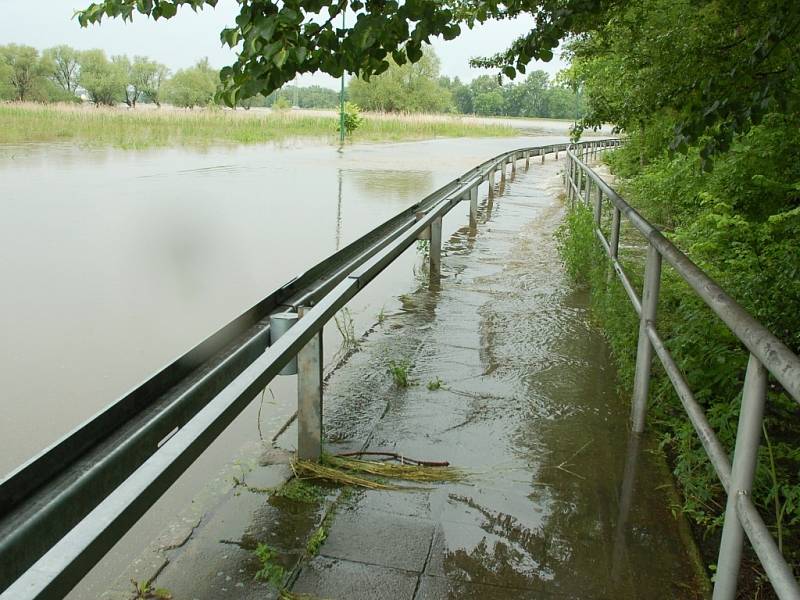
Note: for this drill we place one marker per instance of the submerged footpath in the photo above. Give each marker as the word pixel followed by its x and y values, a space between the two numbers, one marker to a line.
pixel 510 381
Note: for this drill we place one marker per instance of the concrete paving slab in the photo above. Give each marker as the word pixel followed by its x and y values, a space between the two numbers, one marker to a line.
pixel 379 538
pixel 462 552
pixel 344 580
pixel 409 504
pixel 440 588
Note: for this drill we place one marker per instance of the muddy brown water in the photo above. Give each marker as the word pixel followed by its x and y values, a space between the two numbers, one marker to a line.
pixel 115 262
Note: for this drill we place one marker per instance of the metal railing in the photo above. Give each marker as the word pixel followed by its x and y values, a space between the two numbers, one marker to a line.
pixel 65 508
pixel 767 355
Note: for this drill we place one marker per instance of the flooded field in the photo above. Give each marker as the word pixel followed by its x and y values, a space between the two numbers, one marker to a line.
pixel 116 262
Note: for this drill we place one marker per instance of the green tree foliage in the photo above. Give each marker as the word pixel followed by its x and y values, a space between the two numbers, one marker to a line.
pixel 194 86
pixel 63 65
pixel 104 81
pixel 408 87
pixel 144 78
pixel 313 96
pixel 535 96
pixel 24 73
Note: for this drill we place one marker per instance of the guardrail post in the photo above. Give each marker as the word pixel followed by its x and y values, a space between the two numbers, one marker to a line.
pixel 556 152
pixel 542 152
pixel 644 352
pixel 309 397
pixel 514 166
pixel 527 160
pixel 745 459
pixel 473 206
pixel 503 173
pixel 435 249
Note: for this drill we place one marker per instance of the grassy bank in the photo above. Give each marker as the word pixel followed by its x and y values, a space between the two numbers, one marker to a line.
pixel 147 127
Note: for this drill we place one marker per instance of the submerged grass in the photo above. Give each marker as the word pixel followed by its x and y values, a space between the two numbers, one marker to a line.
pixel 147 127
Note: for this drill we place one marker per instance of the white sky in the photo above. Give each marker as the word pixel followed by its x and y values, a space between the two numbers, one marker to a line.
pixel 181 41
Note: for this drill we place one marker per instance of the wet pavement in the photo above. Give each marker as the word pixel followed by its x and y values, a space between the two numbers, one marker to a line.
pixel 560 502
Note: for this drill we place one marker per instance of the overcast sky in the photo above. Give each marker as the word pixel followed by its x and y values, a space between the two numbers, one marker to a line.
pixel 182 40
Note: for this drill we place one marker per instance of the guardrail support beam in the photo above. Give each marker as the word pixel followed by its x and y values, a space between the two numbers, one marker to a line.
pixel 527 159
pixel 436 248
pixel 743 469
pixel 644 352
pixel 309 397
pixel 473 206
pixel 514 166
pixel 503 173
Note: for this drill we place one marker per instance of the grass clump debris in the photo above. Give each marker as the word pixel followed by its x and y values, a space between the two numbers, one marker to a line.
pixel 374 475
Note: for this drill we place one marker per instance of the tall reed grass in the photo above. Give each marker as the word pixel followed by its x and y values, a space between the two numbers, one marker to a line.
pixel 148 127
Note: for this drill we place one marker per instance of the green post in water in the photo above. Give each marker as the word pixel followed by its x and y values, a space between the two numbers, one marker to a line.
pixel 341 100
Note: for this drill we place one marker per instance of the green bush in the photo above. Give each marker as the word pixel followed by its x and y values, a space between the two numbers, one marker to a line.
pixel 352 118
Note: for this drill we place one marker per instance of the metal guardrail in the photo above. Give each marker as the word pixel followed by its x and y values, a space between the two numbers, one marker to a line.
pixel 767 355
pixel 65 508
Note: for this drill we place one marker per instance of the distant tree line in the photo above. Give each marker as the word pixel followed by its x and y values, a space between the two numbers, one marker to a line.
pixel 64 74
pixel 418 87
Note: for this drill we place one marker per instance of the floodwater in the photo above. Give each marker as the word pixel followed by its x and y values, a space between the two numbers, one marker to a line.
pixel 558 500
pixel 115 262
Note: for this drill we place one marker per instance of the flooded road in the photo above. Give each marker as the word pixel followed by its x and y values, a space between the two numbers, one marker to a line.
pixel 558 500
pixel 116 262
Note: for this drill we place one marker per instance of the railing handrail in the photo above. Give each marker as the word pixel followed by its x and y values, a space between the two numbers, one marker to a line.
pixel 767 354
pixel 772 352
pixel 62 510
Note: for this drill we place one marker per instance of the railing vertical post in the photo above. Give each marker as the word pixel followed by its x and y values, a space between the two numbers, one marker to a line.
pixel 491 183
pixel 309 397
pixel 514 166
pixel 503 172
pixel 473 206
pixel 598 207
pixel 556 152
pixel 588 190
pixel 542 153
pixel 745 459
pixel 435 248
pixel 644 352
pixel 615 222
pixel 527 160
